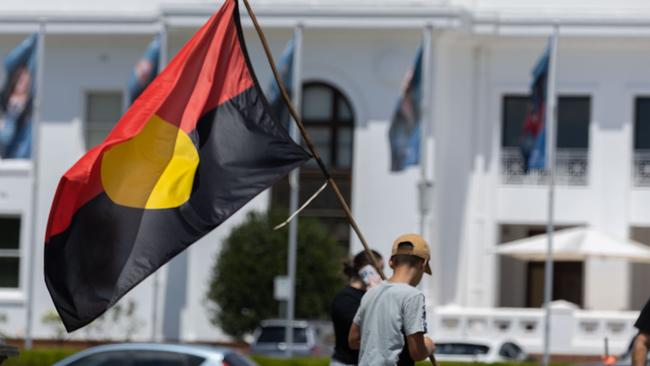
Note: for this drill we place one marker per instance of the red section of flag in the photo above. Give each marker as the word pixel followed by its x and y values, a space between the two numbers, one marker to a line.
pixel 534 119
pixel 209 70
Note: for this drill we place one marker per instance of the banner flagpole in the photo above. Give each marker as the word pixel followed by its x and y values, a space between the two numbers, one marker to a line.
pixel 294 184
pixel 551 117
pixel 36 123
pixel 309 143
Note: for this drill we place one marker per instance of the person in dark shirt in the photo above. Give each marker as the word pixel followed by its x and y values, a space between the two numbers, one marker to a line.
pixel 361 275
pixel 642 340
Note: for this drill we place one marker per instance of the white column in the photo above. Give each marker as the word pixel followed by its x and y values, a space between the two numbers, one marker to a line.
pixel 610 166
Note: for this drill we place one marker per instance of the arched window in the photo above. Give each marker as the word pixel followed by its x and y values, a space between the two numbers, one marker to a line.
pixel 329 119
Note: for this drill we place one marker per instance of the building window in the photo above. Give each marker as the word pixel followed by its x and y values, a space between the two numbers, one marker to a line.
pixel 103 110
pixel 329 118
pixel 642 141
pixel 9 252
pixel 573 119
pixel 327 115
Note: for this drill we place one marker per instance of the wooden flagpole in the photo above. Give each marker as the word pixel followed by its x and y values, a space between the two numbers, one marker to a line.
pixel 309 143
pixel 312 148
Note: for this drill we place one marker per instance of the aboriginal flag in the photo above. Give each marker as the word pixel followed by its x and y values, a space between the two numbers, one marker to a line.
pixel 194 147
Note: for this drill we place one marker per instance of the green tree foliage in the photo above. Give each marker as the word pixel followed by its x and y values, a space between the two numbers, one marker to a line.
pixel 241 284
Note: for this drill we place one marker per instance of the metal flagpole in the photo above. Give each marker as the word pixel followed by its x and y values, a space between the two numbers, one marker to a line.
pixel 425 186
pixel 294 184
pixel 36 123
pixel 162 62
pixel 551 116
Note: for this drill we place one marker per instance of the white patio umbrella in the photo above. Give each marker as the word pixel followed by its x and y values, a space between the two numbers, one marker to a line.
pixel 576 244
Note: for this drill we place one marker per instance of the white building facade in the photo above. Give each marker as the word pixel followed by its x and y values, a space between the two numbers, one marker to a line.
pixel 482 55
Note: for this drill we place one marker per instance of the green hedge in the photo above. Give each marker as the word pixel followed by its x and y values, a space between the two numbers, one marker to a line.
pixel 40 357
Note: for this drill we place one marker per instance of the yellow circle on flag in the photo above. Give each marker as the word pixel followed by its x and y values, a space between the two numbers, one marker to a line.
pixel 154 169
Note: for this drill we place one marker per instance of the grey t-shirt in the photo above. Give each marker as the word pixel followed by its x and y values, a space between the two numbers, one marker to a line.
pixel 387 313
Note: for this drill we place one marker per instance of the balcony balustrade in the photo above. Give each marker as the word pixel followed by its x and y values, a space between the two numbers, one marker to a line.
pixel 641 168
pixel 572 168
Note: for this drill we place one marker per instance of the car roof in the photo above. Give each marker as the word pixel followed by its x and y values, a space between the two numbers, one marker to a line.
pixel 204 351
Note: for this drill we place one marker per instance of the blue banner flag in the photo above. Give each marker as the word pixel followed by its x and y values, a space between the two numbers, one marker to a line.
pixel 534 134
pixel 404 133
pixel 145 70
pixel 285 68
pixel 16 100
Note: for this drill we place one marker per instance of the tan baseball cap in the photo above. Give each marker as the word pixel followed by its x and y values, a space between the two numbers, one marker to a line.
pixel 420 248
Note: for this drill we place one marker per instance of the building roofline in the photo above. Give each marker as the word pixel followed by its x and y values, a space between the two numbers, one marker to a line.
pixel 322 16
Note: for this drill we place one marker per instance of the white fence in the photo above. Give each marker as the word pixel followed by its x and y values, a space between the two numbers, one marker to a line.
pixel 573 331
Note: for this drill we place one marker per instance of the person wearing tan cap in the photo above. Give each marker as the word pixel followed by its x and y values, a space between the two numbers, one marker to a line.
pixel 393 315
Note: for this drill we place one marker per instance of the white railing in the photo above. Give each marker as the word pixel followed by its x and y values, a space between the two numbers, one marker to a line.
pixel 641 168
pixel 573 331
pixel 572 168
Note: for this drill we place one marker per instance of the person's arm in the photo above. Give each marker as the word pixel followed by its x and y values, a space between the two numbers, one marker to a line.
pixel 414 316
pixel 420 346
pixel 354 337
pixel 640 349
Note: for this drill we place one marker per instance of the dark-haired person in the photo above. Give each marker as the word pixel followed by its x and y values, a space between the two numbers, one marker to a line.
pixel 393 314
pixel 361 275
pixel 642 341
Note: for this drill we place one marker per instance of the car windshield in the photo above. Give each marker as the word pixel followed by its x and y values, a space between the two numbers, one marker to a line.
pixel 275 334
pixel 467 349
